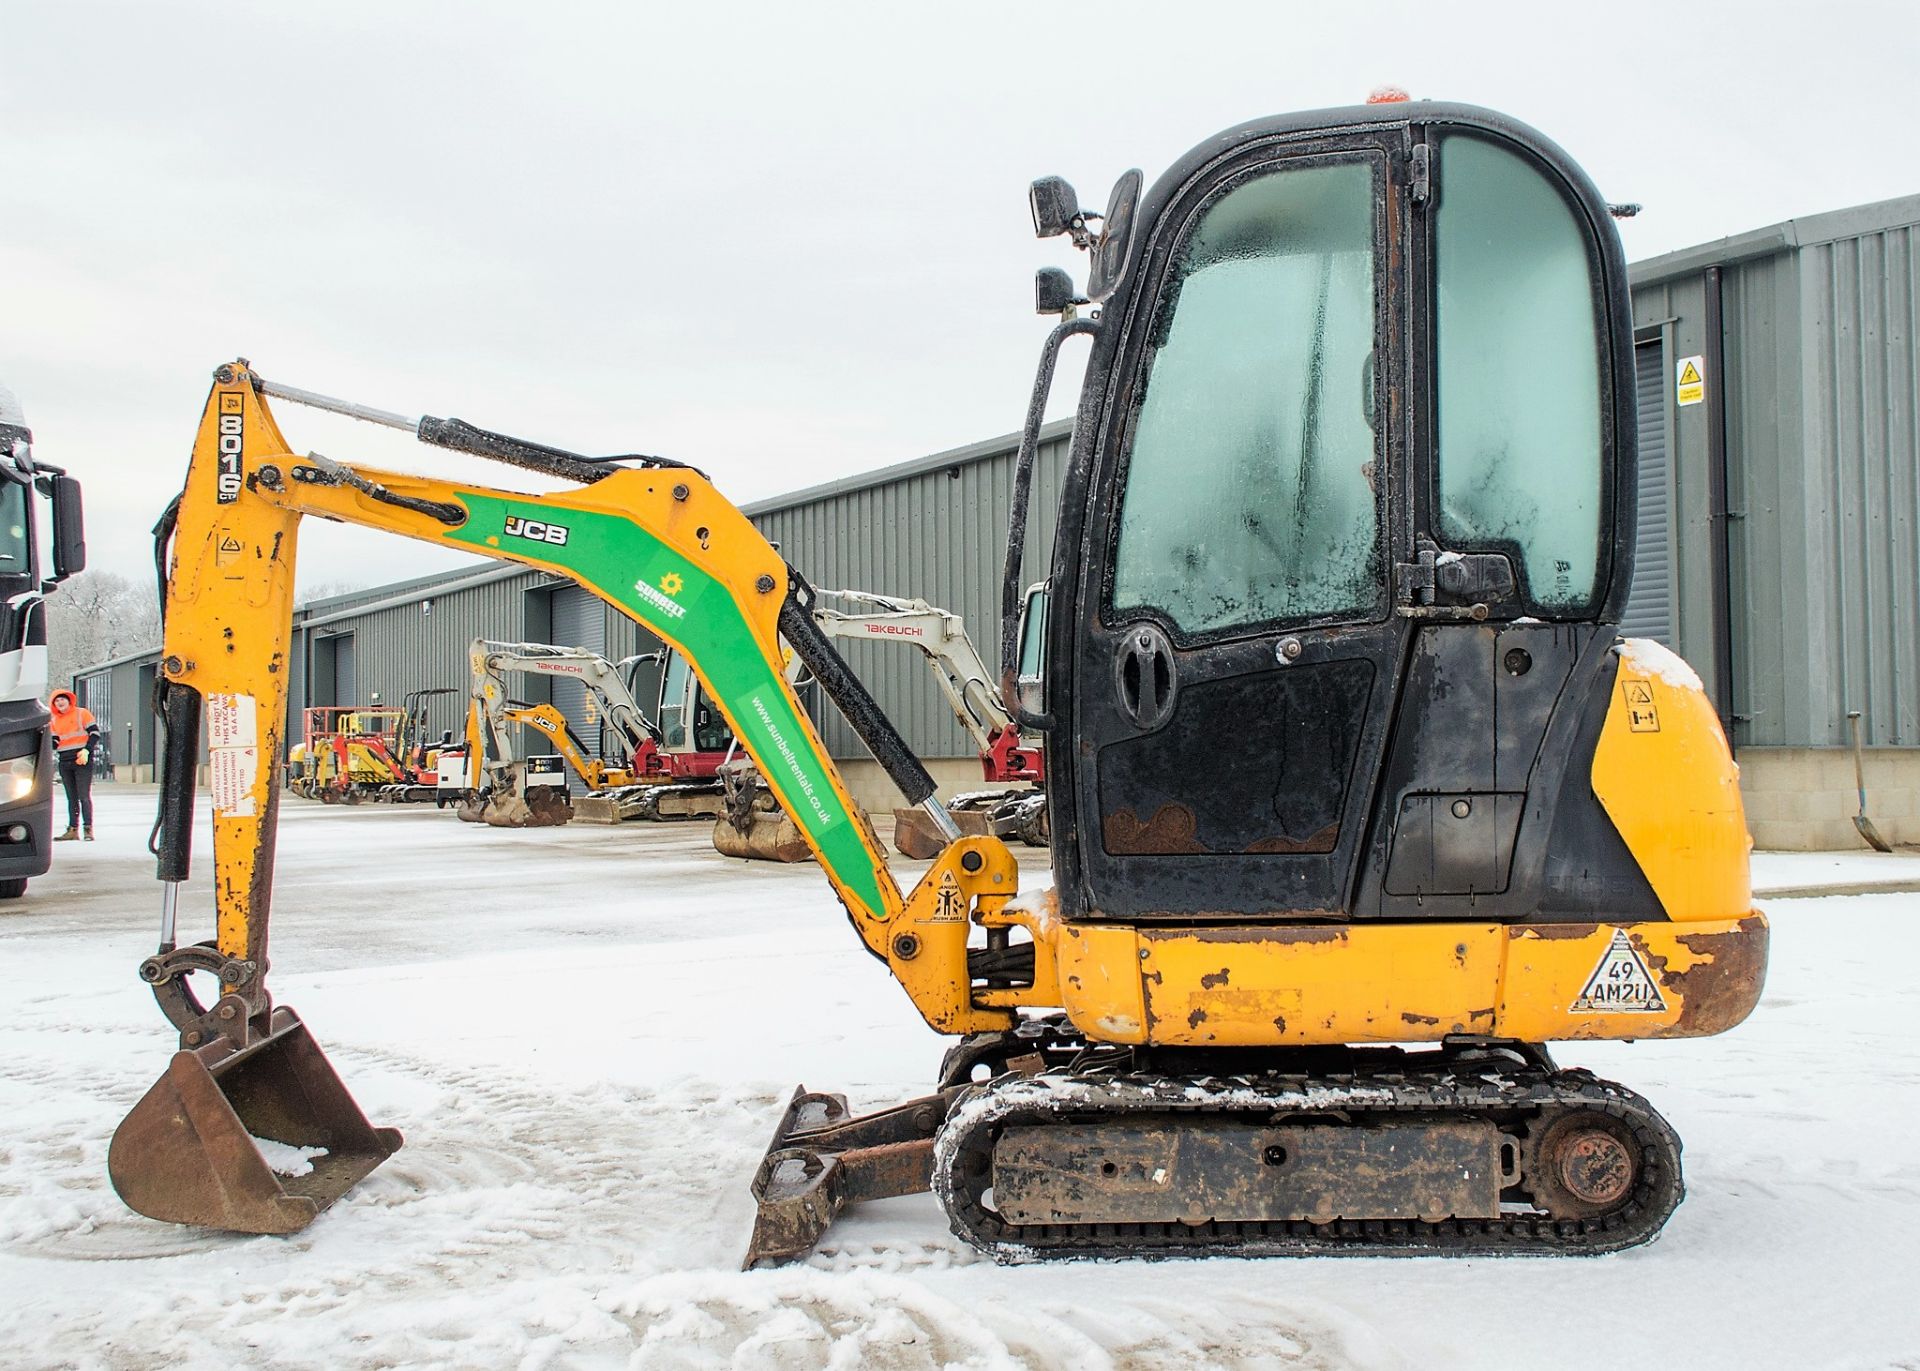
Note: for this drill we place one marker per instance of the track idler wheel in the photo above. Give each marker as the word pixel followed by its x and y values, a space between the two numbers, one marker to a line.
pixel 1582 1165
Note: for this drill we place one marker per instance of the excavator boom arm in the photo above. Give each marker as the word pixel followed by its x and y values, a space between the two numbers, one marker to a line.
pixel 551 724
pixel 659 544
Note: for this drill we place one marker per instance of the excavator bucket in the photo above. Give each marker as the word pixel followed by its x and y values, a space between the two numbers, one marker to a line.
pixel 540 807
pixel 762 837
pixel 914 834
pixel 192 1149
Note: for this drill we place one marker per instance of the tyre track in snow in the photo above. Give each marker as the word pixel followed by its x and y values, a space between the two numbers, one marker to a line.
pixel 535 1225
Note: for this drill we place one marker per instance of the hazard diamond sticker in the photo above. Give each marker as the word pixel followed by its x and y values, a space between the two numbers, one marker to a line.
pixel 1690 380
pixel 949 906
pixel 1621 984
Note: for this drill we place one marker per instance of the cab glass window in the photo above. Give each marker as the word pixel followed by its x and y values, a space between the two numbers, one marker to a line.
pixel 1033 633
pixel 1519 466
pixel 16 551
pixel 1250 493
pixel 673 703
pixel 710 731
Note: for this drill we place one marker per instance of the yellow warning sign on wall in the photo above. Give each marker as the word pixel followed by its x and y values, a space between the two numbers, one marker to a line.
pixel 1690 381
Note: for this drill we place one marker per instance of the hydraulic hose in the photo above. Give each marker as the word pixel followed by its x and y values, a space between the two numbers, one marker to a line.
pixel 849 693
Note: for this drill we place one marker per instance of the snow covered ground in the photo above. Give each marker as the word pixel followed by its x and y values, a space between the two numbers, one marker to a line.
pixel 586 1035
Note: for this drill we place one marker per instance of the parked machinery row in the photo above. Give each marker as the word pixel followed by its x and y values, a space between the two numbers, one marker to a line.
pixel 680 761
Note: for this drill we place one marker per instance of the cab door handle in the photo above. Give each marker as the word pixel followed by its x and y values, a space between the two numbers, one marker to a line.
pixel 1144 677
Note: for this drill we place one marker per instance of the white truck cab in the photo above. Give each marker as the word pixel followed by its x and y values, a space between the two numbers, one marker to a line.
pixel 26 744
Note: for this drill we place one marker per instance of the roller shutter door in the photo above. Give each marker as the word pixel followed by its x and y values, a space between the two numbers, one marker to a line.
pixel 1649 612
pixel 579 620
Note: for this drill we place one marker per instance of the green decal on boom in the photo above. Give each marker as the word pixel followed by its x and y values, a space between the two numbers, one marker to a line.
pixel 661 589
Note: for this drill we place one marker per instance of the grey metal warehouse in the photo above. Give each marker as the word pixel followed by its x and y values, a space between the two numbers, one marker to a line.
pixel 1779 541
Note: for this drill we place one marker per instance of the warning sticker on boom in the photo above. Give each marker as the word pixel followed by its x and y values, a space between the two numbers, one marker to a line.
pixel 1621 984
pixel 234 771
pixel 949 905
pixel 233 720
pixel 233 752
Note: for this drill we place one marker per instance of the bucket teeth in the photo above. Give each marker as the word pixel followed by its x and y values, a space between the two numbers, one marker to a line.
pixel 187 1152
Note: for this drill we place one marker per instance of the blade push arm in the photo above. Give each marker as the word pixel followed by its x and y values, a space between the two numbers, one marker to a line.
pixel 659 544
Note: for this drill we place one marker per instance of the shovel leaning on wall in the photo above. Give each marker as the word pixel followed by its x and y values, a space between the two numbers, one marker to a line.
pixel 1860 820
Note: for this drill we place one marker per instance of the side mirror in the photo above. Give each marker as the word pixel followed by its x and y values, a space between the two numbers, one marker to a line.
pixel 1056 209
pixel 69 529
pixel 1030 681
pixel 1053 291
pixel 1116 234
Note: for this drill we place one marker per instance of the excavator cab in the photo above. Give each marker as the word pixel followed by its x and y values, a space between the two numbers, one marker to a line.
pixel 1357 518
pixel 416 745
pixel 688 721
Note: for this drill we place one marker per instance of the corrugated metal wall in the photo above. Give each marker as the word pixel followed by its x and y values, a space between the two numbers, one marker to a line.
pixel 578 619
pixel 95 693
pixel 1775 582
pixel 1649 612
pixel 400 648
pixel 1860 302
pixel 939 533
pixel 1822 395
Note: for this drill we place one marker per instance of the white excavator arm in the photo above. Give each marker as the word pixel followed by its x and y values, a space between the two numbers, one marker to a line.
pixel 605 681
pixel 941 636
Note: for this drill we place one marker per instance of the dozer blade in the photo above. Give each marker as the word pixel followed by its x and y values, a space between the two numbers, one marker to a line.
pixel 613 807
pixel 187 1152
pixel 766 838
pixel 821 1160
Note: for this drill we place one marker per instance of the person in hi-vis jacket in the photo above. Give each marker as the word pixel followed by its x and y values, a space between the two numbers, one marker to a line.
pixel 75 736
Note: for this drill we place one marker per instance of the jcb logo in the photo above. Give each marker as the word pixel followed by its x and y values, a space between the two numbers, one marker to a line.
pixel 537 531
pixel 232 435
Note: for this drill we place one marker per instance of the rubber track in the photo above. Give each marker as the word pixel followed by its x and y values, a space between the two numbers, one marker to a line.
pixel 647 804
pixel 962 1162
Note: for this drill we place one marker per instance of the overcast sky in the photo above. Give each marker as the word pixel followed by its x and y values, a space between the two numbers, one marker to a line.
pixel 785 243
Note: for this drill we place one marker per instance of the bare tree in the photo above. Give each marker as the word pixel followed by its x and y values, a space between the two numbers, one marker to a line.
pixel 100 615
pixel 321 590
pixel 95 617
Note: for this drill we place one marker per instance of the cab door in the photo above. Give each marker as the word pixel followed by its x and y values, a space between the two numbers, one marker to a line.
pixel 1236 677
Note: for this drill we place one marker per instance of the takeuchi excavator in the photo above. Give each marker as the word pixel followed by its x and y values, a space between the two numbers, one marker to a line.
pixel 497 781
pixel 751 827
pixel 1352 481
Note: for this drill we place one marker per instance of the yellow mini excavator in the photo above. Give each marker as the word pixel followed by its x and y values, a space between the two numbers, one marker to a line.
pixel 1352 484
